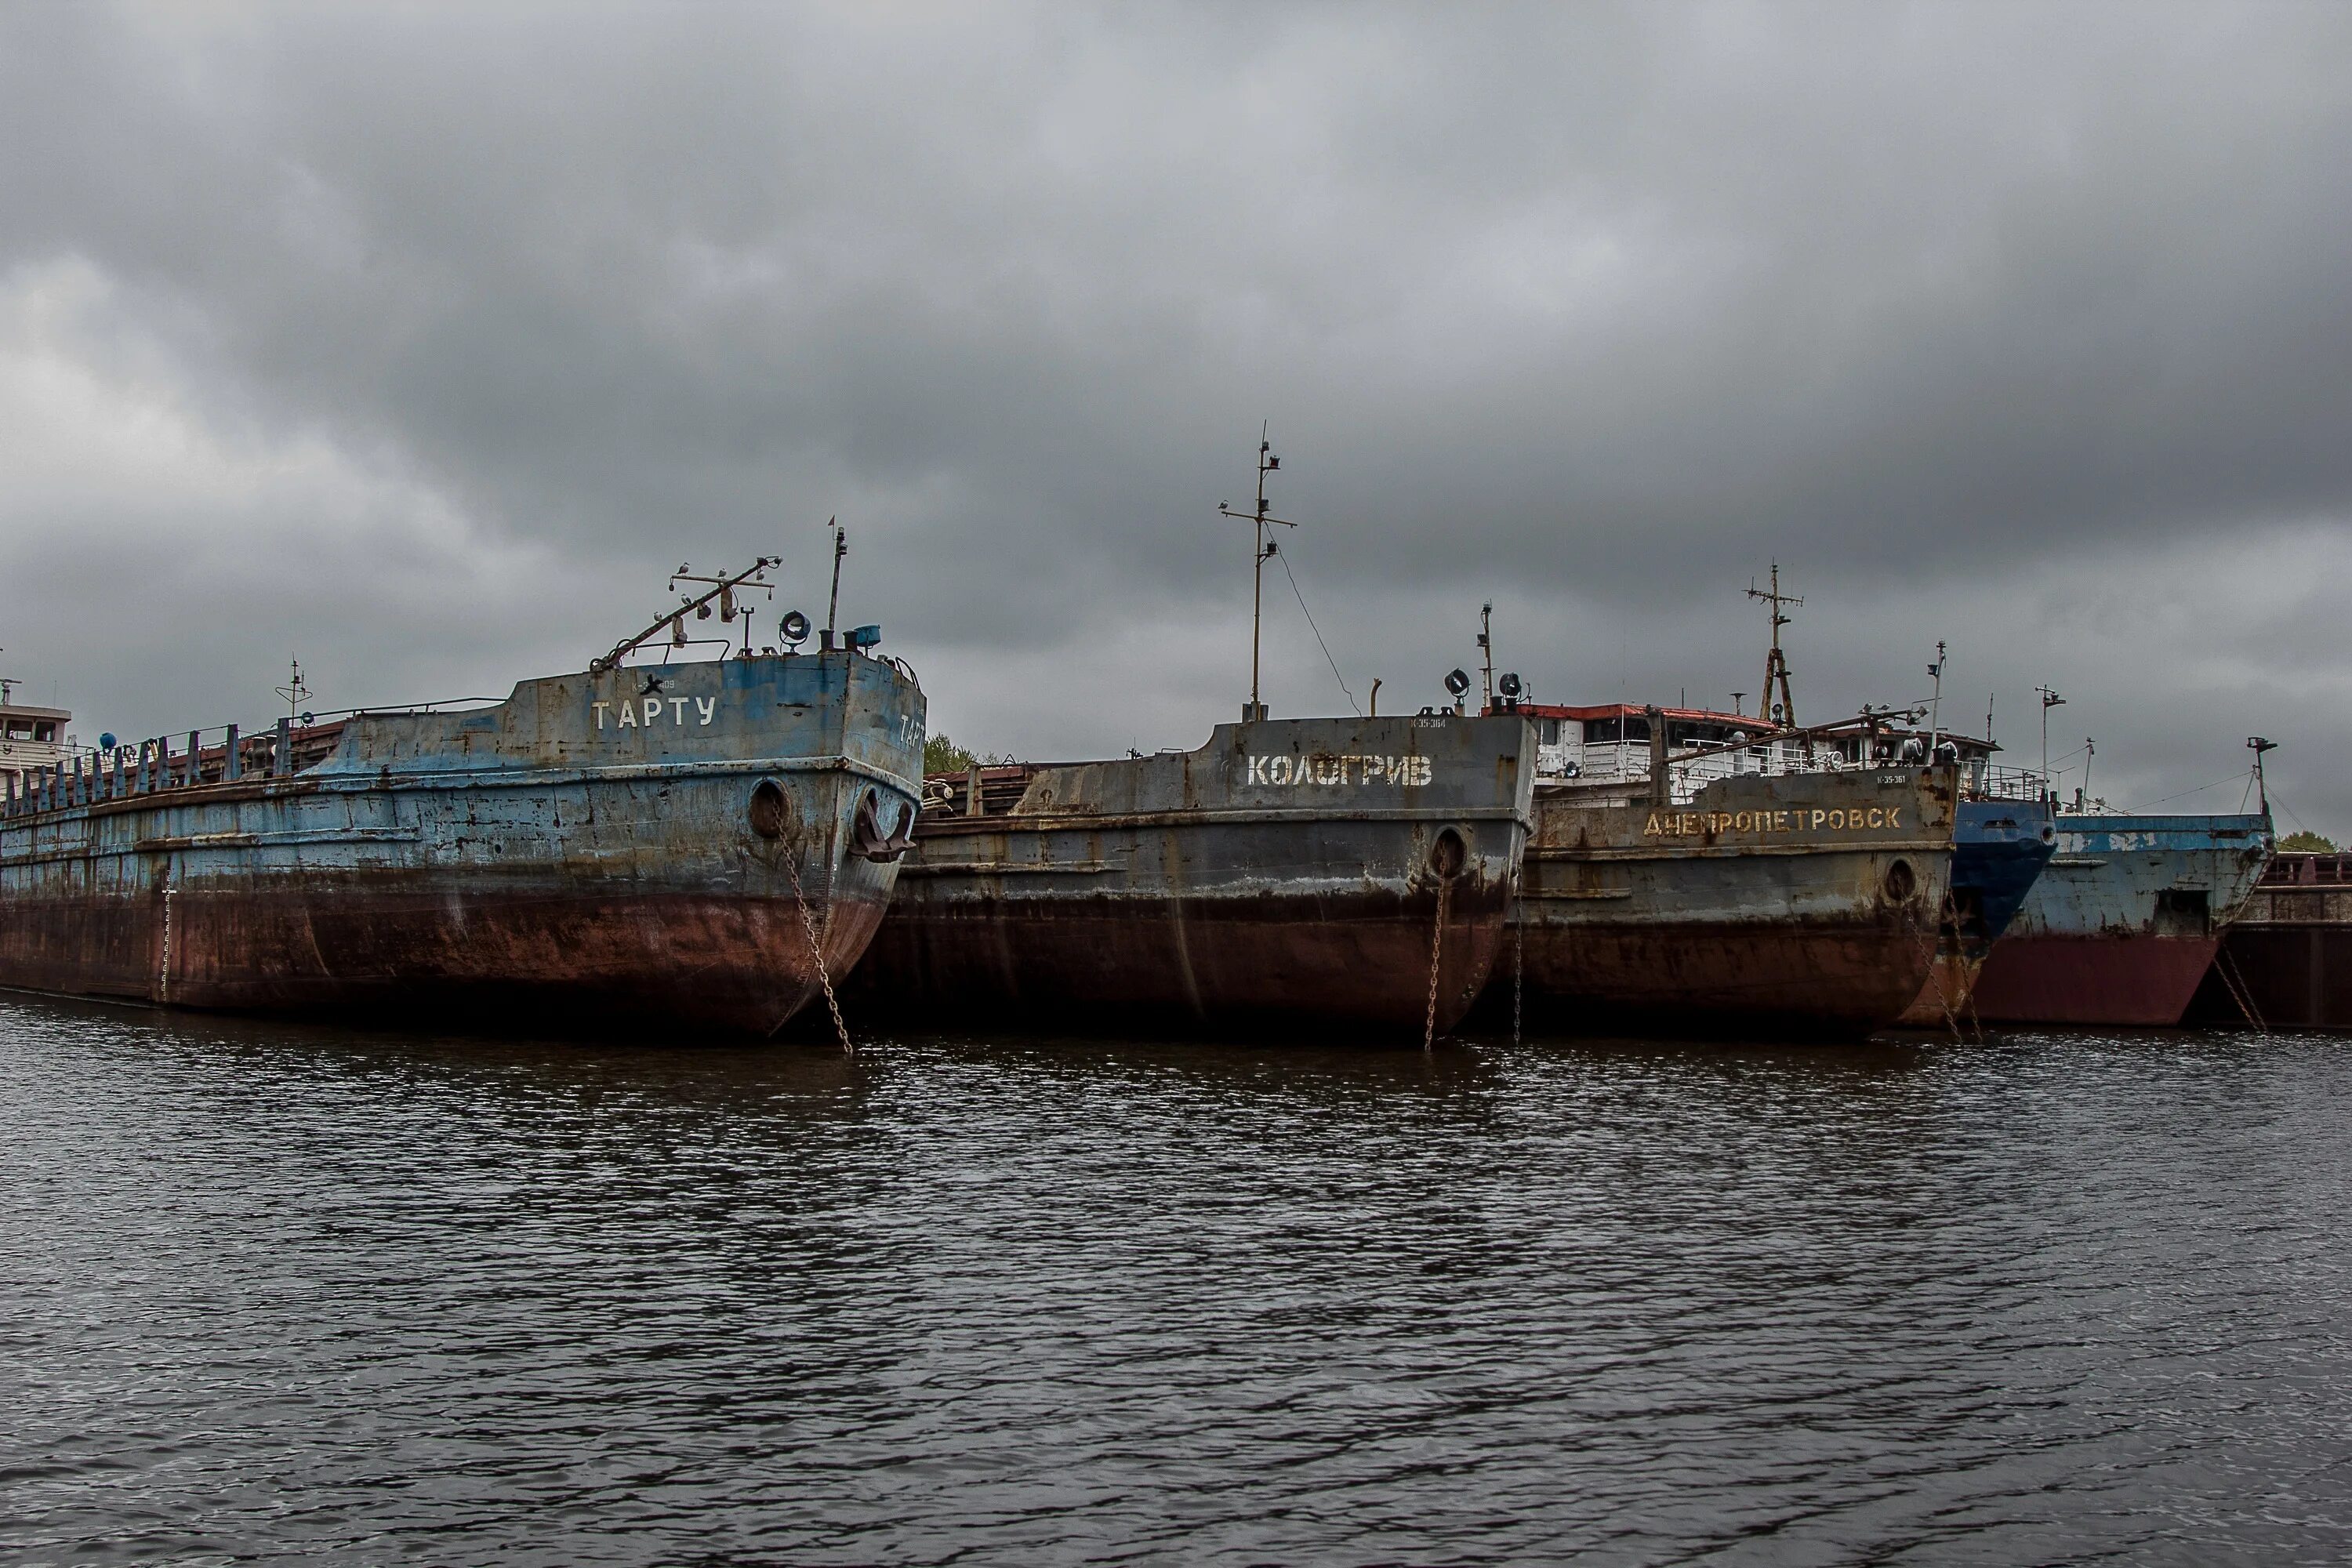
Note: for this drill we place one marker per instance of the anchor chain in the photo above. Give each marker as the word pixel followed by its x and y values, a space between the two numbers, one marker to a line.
pixel 1437 952
pixel 1931 939
pixel 816 951
pixel 2233 980
pixel 1519 969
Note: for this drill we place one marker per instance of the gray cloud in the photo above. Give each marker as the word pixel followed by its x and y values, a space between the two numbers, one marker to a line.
pixel 424 341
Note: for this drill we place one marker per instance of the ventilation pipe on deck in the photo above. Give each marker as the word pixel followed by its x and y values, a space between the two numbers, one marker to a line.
pixel 1659 793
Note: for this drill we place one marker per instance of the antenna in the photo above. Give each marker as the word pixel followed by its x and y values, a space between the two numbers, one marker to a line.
pixel 295 692
pixel 1776 664
pixel 1261 552
pixel 2049 699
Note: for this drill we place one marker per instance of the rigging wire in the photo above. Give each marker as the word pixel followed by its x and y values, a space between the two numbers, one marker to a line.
pixel 2201 789
pixel 1319 636
pixel 2290 816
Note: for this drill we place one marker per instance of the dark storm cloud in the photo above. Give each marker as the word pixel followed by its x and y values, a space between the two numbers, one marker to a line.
pixel 2022 326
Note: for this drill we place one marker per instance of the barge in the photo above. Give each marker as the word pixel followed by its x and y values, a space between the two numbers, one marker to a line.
pixel 1350 878
pixel 1702 872
pixel 2285 961
pixel 696 844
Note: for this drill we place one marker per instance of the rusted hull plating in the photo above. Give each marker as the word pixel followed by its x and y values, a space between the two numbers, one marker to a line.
pixel 523 861
pixel 1820 922
pixel 1948 996
pixel 1286 874
pixel 1998 848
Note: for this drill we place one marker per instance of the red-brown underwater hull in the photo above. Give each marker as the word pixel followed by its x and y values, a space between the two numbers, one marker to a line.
pixel 2135 980
pixel 1340 967
pixel 679 960
pixel 1946 997
pixel 1746 979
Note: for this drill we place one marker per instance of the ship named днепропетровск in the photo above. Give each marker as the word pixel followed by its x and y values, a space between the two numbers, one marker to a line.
pixel 1705 872
pixel 673 843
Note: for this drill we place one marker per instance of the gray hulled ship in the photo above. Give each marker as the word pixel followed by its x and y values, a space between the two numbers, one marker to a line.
pixel 1347 872
pixel 696 844
pixel 1351 872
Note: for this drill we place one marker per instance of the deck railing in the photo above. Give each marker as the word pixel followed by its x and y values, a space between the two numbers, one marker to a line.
pixel 152 766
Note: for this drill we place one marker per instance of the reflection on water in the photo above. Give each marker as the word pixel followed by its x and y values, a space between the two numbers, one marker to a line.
pixel 279 1293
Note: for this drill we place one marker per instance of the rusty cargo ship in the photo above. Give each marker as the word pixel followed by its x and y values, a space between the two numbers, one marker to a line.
pixel 1347 877
pixel 2122 925
pixel 693 845
pixel 1702 872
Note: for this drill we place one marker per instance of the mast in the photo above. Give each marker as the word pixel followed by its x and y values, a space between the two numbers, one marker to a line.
pixel 1487 647
pixel 724 586
pixel 1936 703
pixel 295 691
pixel 840 548
pixel 1775 663
pixel 2049 699
pixel 1261 552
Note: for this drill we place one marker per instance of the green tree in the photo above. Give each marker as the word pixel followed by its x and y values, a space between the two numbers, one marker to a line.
pixel 2305 839
pixel 943 755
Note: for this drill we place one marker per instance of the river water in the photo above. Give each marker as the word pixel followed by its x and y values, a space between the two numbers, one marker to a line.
pixel 280 1294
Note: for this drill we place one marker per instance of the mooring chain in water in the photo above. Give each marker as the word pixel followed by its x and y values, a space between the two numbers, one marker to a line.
pixel 1519 969
pixel 2239 992
pixel 1929 940
pixel 816 951
pixel 1436 951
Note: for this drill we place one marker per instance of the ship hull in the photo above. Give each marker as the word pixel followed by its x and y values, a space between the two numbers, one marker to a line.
pixel 1949 992
pixel 521 863
pixel 2122 924
pixel 2286 960
pixel 2281 976
pixel 1998 848
pixel 2126 978
pixel 1697 920
pixel 1216 891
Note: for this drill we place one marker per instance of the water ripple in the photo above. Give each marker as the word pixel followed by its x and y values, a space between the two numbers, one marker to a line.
pixel 294 1294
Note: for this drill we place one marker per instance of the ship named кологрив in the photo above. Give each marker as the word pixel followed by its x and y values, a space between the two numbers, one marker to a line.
pixel 696 844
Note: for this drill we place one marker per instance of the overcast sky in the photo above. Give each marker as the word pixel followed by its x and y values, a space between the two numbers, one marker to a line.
pixel 425 344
